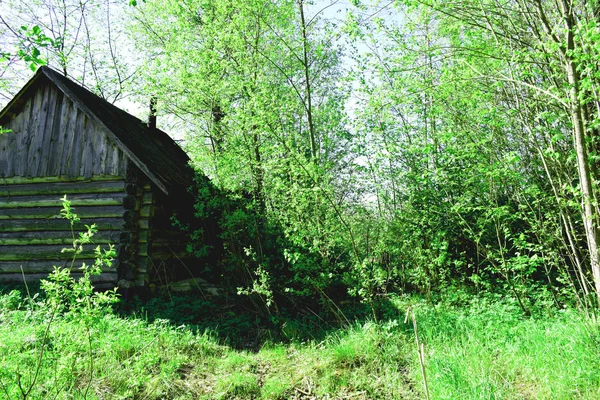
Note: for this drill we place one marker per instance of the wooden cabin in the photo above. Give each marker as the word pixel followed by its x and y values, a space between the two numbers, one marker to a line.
pixel 121 174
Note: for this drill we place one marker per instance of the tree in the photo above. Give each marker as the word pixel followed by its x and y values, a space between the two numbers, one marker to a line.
pixel 560 43
pixel 467 116
pixel 258 91
pixel 84 40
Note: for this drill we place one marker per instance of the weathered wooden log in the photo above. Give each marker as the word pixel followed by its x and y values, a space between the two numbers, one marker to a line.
pixel 61 188
pixel 25 225
pixel 42 252
pixel 87 199
pixel 147 199
pixel 142 250
pixel 146 211
pixel 106 277
pixel 36 266
pixel 54 212
pixel 130 203
pixel 103 235
pixel 142 265
pixel 53 237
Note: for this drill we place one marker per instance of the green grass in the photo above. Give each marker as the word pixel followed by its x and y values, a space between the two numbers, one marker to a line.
pixel 484 350
pixel 489 351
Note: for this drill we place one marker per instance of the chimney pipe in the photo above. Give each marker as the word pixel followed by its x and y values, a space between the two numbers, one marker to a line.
pixel 152 115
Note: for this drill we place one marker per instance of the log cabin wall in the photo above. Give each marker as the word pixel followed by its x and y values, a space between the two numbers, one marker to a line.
pixel 159 256
pixel 120 174
pixel 32 232
pixel 145 233
pixel 136 231
pixel 54 149
pixel 168 259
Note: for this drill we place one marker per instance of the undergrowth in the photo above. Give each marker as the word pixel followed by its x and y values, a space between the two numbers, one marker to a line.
pixel 485 349
pixel 70 343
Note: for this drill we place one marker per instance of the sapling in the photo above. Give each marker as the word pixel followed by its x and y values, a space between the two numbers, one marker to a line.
pixel 72 298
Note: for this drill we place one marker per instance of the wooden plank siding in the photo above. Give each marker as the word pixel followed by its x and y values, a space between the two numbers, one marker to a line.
pixel 53 137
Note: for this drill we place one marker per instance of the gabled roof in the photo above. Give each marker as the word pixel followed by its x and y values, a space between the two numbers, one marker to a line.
pixel 151 150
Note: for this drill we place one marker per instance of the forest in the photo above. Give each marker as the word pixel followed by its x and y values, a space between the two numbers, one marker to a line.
pixel 405 194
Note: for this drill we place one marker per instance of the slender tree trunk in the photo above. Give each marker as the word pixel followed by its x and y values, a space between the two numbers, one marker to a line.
pixel 579 138
pixel 311 127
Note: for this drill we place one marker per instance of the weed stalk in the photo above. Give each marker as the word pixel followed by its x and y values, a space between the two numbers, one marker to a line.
pixel 420 350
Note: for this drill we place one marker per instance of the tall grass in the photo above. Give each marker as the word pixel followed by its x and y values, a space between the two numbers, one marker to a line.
pixel 484 350
pixel 488 350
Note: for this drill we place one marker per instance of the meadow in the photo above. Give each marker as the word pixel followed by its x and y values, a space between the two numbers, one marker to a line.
pixel 485 349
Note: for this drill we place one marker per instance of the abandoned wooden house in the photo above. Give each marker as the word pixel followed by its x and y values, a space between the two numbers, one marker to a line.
pixel 123 175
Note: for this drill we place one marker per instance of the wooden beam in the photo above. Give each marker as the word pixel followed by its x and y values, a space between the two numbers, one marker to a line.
pixel 113 199
pixel 147 199
pixel 65 241
pixel 16 180
pixel 60 225
pixel 62 188
pixel 105 277
pixel 30 267
pixel 53 212
pixel 43 252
